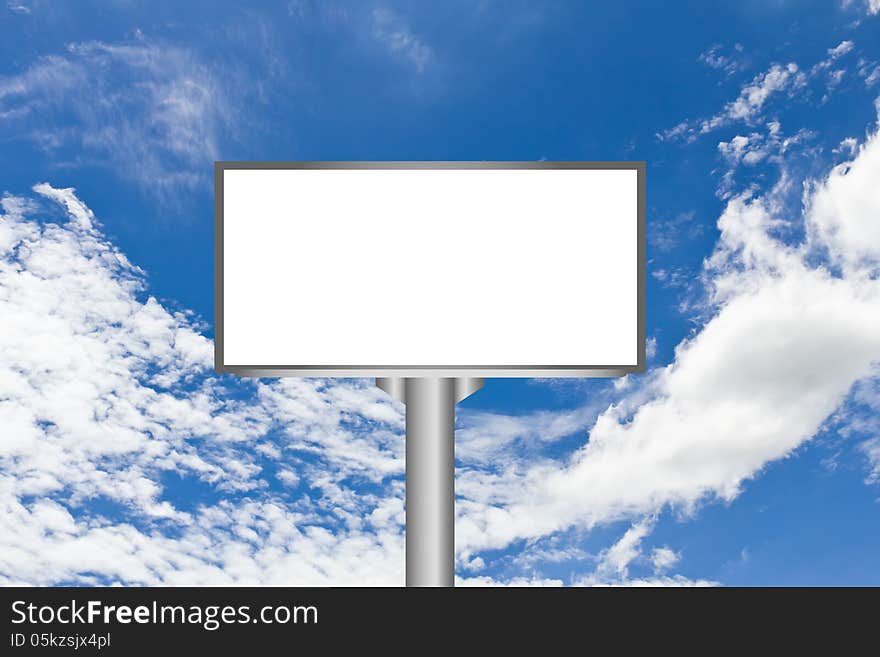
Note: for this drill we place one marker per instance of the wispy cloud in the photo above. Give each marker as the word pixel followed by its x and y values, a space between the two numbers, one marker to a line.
pixel 839 50
pixel 759 146
pixel 872 452
pixel 390 31
pixel 750 105
pixel 746 107
pixel 156 114
pixel 829 68
pixel 869 71
pixel 615 561
pixel 18 7
pixel 375 29
pixel 667 233
pixel 754 95
pixel 714 57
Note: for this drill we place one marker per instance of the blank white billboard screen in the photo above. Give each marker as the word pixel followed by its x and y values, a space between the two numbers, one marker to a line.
pixel 480 268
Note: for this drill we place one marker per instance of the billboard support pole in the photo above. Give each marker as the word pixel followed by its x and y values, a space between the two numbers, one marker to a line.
pixel 430 473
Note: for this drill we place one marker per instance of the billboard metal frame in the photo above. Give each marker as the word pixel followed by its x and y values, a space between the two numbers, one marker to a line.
pixel 451 371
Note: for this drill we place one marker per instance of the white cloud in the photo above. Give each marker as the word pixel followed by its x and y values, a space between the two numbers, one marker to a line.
pixel 614 563
pixel 860 420
pixel 750 106
pixel 105 394
pixel 18 7
pixel 752 149
pixel 844 210
pixel 516 582
pixel 840 49
pixel 153 113
pixel 825 68
pixel 680 130
pixel 618 557
pixel 396 36
pixel 371 27
pixel 751 387
pixel 713 57
pixel 835 77
pixel 871 448
pixel 484 437
pixel 869 71
pixel 666 582
pixel 673 278
pixel 872 7
pixel 77 350
pixel 665 234
pixel 247 543
pixel 664 558
pixel 755 94
pixel 749 149
pixel 848 146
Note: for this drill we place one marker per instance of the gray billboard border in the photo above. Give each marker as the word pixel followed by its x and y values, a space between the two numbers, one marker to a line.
pixel 482 371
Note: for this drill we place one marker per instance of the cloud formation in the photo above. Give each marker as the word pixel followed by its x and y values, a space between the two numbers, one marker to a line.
pixel 109 405
pixel 757 382
pixel 779 80
pixel 127 460
pixel 390 31
pixel 151 112
pixel 715 58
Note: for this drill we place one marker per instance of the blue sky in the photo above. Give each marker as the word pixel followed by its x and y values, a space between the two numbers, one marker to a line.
pixel 749 454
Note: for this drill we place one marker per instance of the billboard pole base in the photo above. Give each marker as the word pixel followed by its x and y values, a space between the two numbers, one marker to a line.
pixel 430 473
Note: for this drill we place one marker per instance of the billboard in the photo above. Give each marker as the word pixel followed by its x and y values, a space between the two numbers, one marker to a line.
pixel 416 269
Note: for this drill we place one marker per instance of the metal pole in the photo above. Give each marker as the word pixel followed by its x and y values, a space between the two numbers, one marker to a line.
pixel 430 482
pixel 430 473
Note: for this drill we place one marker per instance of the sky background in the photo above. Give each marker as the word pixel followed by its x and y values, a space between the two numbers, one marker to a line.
pixel 748 454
